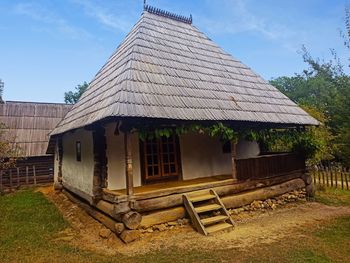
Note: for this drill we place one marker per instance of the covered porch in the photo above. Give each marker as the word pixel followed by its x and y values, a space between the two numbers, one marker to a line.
pixel 263 168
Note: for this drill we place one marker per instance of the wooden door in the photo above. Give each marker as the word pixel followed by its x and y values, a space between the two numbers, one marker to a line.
pixel 160 159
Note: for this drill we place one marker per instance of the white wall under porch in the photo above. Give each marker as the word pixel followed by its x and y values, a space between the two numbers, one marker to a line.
pixel 201 156
pixel 116 178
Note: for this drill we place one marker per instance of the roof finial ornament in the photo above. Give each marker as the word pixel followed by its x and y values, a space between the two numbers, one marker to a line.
pixel 167 14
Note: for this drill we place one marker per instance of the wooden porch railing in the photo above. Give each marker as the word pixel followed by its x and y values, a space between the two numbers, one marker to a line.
pixel 265 166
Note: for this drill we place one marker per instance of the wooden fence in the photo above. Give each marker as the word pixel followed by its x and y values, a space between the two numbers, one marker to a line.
pixel 35 171
pixel 331 176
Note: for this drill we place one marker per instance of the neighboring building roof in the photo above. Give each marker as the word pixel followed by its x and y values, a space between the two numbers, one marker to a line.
pixel 28 124
pixel 166 68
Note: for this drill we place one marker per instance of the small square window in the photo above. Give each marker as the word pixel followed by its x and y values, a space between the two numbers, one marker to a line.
pixel 78 151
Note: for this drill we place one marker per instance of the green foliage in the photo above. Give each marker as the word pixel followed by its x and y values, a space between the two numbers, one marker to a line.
pixel 305 142
pixel 321 135
pixel 71 97
pixel 220 130
pixel 307 145
pixel 324 92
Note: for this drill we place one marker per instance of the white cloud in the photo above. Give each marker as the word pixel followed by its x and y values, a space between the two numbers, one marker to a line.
pixel 238 18
pixel 42 14
pixel 103 16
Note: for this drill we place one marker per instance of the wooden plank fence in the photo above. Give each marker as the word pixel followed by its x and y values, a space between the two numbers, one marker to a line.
pixel 331 176
pixel 30 173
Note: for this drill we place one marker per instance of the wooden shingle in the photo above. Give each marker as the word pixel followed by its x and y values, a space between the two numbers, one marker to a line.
pixel 168 69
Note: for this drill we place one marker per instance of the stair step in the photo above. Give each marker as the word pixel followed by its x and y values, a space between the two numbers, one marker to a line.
pixel 214 219
pixel 201 198
pixel 207 208
pixel 218 227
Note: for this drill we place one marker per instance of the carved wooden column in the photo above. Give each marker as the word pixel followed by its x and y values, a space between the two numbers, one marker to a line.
pixel 128 164
pixel 233 159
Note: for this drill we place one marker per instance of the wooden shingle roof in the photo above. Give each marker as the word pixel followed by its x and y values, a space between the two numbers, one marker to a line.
pixel 28 124
pixel 169 69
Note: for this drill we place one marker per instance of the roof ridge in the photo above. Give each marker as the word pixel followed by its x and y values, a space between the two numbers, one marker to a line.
pixel 160 12
pixel 35 102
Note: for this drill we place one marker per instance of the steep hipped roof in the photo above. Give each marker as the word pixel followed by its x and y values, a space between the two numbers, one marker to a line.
pixel 28 124
pixel 167 68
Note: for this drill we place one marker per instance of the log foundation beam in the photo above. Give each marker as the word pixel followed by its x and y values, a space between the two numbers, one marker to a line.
pixel 232 201
pixel 175 199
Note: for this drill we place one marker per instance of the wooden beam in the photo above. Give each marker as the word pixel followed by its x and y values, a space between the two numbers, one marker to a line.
pixel 246 198
pixel 233 159
pixel 232 201
pixel 78 192
pixel 224 187
pixel 175 199
pixel 128 164
pixel 105 220
pixel 162 216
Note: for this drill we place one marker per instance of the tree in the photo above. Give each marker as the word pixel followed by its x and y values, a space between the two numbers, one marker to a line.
pixel 9 152
pixel 325 89
pixel 71 97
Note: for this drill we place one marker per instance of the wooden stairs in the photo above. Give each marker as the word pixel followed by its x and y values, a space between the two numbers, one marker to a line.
pixel 207 212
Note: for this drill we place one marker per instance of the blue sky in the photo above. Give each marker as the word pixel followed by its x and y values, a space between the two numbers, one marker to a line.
pixel 48 47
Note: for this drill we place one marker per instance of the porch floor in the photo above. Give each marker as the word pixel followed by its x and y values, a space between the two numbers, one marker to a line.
pixel 159 189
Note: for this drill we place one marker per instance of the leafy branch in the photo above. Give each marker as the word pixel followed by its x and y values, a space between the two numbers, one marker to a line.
pixel 220 130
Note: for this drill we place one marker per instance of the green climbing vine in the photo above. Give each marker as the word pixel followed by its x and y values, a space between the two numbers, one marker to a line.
pixel 275 140
pixel 218 129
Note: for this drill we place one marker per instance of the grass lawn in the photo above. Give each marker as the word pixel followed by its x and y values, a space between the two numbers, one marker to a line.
pixel 333 196
pixel 29 223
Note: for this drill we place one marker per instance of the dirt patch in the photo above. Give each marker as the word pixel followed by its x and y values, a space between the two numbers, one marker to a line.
pixel 84 231
pixel 252 228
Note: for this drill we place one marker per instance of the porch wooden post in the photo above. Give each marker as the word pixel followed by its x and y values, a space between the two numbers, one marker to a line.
pixel 233 159
pixel 100 160
pixel 128 166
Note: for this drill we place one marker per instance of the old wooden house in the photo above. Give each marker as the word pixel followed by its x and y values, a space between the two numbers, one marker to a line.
pixel 26 126
pixel 167 74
